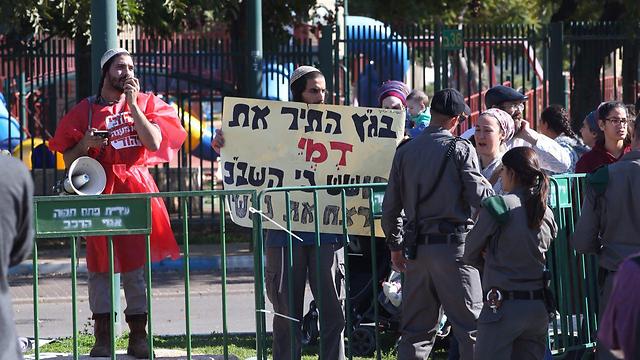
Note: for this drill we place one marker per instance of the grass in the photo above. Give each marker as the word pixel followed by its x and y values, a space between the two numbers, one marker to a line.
pixel 242 346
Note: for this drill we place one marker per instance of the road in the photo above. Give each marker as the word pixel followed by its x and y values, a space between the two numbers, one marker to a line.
pixel 168 305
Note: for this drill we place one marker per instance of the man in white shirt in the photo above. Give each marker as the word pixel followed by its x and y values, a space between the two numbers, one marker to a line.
pixel 553 157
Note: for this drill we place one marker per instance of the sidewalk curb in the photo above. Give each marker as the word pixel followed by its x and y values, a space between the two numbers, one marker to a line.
pixel 196 263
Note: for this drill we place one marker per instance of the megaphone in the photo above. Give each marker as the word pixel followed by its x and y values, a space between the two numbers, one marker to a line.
pixel 85 177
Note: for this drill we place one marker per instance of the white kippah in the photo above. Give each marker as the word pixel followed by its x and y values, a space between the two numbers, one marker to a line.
pixel 111 53
pixel 300 72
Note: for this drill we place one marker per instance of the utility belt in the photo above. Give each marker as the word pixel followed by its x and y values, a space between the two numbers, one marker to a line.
pixel 411 247
pixel 495 296
pixel 439 239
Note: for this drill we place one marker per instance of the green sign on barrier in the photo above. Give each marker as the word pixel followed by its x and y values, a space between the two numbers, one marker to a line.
pixel 563 192
pixel 452 39
pixel 378 197
pixel 81 216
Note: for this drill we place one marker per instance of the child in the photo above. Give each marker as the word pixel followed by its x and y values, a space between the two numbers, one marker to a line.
pixel 418 111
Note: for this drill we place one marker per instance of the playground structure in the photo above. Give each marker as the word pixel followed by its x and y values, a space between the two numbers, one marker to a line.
pixel 196 71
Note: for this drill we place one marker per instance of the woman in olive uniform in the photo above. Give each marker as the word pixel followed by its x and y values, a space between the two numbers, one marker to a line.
pixel 509 242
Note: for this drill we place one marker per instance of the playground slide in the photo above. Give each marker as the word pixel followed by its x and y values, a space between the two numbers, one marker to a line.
pixel 388 60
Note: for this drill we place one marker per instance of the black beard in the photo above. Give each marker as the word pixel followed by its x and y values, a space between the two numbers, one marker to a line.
pixel 117 83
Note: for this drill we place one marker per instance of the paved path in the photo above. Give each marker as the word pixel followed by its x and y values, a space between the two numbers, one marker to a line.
pixel 168 304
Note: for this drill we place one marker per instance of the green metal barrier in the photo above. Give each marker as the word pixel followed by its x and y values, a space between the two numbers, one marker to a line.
pixel 574 276
pixel 374 203
pixel 76 216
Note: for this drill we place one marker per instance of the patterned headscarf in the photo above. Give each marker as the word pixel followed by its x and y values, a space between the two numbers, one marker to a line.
pixel 504 120
pixel 393 88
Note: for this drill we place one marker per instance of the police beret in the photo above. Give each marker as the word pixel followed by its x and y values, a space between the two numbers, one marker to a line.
pixel 499 94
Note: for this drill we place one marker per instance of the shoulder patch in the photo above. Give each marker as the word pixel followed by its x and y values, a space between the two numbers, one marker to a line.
pixel 599 179
pixel 496 206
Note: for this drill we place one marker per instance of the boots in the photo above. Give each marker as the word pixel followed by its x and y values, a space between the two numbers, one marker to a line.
pixel 102 333
pixel 138 346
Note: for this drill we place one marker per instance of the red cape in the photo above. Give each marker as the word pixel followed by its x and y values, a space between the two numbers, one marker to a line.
pixel 125 161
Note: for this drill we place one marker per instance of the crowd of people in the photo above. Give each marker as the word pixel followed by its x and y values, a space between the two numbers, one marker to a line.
pixel 471 237
pixel 491 193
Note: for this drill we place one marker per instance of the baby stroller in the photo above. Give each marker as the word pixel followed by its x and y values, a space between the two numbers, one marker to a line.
pixel 362 311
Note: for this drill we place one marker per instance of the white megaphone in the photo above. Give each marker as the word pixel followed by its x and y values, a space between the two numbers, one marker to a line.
pixel 85 177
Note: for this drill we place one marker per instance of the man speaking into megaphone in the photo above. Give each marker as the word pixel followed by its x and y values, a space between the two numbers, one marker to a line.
pixel 125 131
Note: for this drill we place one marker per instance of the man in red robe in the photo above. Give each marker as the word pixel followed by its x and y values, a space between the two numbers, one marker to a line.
pixel 142 131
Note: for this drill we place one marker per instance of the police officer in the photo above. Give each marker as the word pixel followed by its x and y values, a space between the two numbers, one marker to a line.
pixel 610 222
pixel 436 179
pixel 509 241
pixel 553 157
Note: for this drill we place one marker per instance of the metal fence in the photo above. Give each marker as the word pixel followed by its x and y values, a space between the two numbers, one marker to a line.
pixel 575 277
pixel 573 282
pixel 194 71
pixel 74 217
pixel 471 58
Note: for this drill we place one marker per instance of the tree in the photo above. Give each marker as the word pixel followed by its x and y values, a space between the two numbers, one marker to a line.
pixel 590 55
pixel 406 12
pixel 71 18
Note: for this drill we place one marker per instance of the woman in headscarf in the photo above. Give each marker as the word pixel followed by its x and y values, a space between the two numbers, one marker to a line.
pixel 493 129
pixel 392 94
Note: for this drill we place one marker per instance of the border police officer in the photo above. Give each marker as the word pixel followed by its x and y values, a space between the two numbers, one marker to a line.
pixel 436 179
pixel 510 241
pixel 610 222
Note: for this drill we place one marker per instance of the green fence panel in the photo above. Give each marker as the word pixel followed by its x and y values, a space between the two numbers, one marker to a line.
pixel 574 276
pixel 377 189
pixel 74 217
pixel 574 279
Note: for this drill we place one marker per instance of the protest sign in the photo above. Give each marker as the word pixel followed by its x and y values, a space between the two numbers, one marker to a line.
pixel 276 144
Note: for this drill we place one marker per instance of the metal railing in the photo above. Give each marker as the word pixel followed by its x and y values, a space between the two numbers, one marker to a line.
pixel 54 214
pixel 573 276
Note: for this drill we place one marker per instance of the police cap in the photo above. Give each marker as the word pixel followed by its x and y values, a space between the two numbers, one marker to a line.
pixel 449 102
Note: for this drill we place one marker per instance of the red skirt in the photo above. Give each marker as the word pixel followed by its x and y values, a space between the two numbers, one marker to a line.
pixel 130 250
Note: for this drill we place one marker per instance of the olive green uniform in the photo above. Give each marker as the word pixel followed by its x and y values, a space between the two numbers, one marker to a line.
pixel 436 278
pixel 513 262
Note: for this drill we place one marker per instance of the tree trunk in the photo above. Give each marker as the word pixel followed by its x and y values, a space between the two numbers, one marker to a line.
pixel 630 71
pixel 586 94
pixel 83 67
pixel 239 41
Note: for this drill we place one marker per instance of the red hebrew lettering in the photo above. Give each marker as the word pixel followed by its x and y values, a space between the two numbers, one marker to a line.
pixel 342 147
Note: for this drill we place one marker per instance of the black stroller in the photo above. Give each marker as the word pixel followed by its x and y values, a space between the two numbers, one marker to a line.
pixel 362 311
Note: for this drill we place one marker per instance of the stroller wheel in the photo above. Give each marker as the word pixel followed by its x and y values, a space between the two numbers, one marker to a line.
pixel 310 331
pixel 362 341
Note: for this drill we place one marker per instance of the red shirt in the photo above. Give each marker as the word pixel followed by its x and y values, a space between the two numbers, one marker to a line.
pixel 597 157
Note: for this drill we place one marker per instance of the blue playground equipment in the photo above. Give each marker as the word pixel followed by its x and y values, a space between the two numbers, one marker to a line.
pixel 387 60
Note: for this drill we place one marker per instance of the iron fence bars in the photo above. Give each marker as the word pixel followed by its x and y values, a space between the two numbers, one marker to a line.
pixel 75 216
pixel 367 317
pixel 574 276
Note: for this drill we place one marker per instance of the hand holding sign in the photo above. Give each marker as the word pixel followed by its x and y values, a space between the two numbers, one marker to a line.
pixel 313 145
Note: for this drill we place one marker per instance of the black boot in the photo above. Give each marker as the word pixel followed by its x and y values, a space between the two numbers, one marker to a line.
pixel 102 333
pixel 138 346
